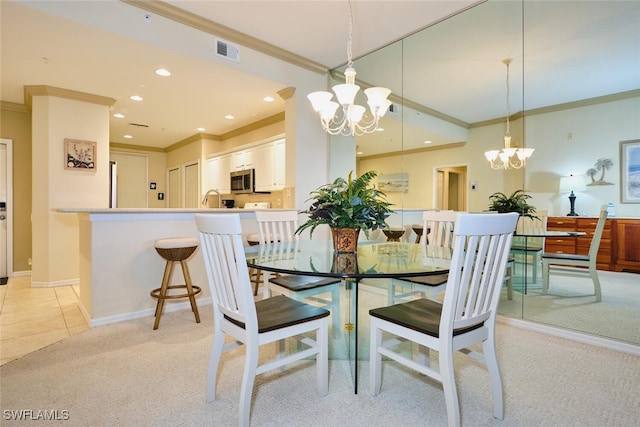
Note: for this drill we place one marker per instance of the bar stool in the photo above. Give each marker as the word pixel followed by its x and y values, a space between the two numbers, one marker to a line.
pixel 255 275
pixel 175 250
pixel 393 234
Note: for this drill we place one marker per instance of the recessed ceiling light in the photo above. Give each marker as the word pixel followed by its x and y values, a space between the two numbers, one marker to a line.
pixel 268 99
pixel 229 117
pixel 201 129
pixel 163 72
pixel 359 153
pixel 428 142
pixel 380 130
pixel 118 116
pixel 135 98
pixel 128 136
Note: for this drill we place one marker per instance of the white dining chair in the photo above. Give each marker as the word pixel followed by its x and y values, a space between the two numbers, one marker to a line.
pixel 277 227
pixel 467 315
pixel 528 250
pixel 253 323
pixel 574 264
pixel 438 229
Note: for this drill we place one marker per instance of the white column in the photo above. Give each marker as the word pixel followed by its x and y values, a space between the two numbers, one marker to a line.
pixel 58 114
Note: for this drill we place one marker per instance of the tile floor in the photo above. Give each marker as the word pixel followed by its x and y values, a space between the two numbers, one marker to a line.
pixel 33 318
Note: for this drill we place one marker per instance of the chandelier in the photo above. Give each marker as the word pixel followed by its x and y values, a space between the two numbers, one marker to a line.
pixel 352 120
pixel 509 157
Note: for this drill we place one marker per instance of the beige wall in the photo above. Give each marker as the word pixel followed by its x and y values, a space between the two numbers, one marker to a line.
pixel 15 124
pixel 595 133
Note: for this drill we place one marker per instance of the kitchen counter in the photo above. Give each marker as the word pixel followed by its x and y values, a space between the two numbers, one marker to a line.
pixel 154 211
pixel 119 266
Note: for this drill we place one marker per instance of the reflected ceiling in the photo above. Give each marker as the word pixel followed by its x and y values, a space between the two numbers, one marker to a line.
pixel 571 51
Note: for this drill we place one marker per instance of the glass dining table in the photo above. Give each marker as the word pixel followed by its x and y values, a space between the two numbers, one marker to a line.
pixel 365 277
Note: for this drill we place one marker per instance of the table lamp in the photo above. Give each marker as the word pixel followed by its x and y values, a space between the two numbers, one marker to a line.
pixel 572 183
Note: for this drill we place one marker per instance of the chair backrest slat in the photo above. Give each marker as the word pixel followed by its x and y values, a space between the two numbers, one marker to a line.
pixel 276 231
pixel 480 253
pixel 597 235
pixel 226 267
pixel 441 228
pixel 277 226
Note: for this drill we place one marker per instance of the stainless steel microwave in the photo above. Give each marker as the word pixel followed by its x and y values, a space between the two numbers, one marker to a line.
pixel 243 182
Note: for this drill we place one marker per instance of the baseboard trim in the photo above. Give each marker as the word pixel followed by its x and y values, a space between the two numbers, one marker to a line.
pixel 150 312
pixel 66 282
pixel 21 273
pixel 584 338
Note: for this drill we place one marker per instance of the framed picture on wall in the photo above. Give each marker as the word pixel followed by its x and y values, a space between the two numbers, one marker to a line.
pixel 80 155
pixel 630 171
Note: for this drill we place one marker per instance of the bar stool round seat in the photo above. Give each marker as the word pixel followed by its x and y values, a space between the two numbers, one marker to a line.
pixel 174 250
pixel 393 234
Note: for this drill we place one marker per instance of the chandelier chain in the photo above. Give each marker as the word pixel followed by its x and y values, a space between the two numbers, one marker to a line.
pixel 350 39
pixel 507 62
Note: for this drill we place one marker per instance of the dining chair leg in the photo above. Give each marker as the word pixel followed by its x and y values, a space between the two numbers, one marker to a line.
pixel 214 363
pixel 248 380
pixel 491 360
pixel 596 282
pixel 449 387
pixel 375 369
pixel 322 358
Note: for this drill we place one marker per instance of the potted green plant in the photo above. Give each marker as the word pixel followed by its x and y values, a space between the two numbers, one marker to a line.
pixel 348 206
pixel 516 202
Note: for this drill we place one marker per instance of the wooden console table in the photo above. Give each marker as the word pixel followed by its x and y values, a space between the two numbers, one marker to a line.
pixel 619 247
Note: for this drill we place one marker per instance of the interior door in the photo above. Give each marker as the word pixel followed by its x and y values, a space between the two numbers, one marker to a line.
pixel 173 192
pixel 192 185
pixel 132 179
pixel 4 247
pixel 451 188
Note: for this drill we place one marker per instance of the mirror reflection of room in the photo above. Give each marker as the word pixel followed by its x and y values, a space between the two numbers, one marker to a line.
pixel 576 121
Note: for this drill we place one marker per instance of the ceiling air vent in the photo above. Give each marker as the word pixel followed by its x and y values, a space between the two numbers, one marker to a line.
pixel 227 50
pixel 140 125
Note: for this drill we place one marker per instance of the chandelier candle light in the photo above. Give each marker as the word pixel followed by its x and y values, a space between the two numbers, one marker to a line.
pixel 509 157
pixel 351 121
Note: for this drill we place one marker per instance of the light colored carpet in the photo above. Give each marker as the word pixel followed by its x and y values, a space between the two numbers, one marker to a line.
pixel 570 303
pixel 127 374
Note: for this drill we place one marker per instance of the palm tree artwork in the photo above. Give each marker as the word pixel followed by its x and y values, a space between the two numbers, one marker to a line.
pixel 601 165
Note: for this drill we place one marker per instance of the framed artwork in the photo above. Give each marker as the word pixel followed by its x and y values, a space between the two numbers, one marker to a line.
pixel 394 183
pixel 80 155
pixel 630 171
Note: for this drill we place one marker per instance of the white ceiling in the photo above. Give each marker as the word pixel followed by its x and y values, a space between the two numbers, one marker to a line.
pixel 110 48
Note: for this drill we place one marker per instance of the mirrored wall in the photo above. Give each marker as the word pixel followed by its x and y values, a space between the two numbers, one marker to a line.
pixel 571 92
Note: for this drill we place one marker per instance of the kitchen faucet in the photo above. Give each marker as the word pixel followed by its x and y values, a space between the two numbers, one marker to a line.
pixel 206 197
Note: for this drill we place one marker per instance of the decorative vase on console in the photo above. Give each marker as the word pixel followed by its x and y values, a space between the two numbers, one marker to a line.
pixel 348 206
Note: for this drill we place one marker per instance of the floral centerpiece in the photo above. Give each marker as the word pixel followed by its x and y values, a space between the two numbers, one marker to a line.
pixel 348 205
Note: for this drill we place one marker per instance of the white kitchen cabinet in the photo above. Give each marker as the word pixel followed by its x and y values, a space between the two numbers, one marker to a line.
pixel 242 160
pixel 278 164
pixel 267 160
pixel 263 164
pixel 218 171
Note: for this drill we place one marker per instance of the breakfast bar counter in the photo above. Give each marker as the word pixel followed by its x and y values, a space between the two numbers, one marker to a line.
pixel 118 265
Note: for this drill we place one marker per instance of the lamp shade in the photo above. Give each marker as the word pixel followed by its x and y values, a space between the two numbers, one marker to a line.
pixel 572 183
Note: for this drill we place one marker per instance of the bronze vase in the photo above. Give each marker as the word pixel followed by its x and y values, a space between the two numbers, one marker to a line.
pixel 345 239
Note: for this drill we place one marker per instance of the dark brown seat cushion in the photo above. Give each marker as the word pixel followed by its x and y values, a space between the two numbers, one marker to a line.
pixel 279 312
pixel 553 255
pixel 422 315
pixel 301 283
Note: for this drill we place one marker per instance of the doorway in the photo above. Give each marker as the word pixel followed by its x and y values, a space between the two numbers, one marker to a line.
pixel 451 188
pixel 6 210
pixel 132 179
